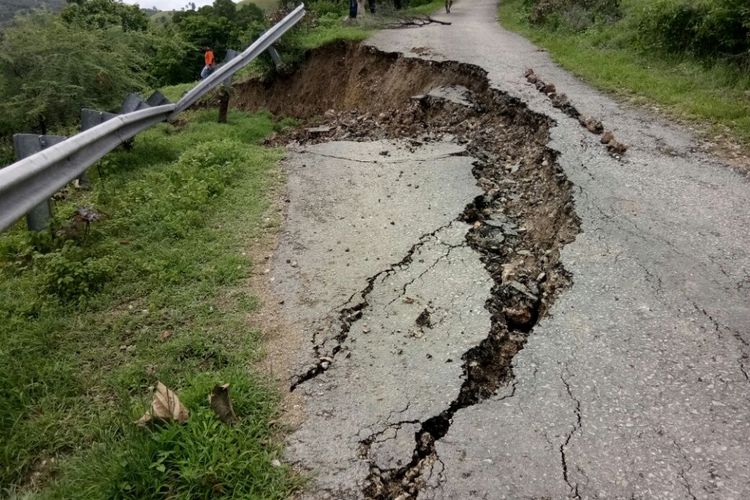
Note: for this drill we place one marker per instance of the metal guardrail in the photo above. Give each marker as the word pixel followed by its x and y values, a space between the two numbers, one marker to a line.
pixel 31 181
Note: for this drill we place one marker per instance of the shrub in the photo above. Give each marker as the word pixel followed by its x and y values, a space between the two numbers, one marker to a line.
pixel 573 14
pixel 323 7
pixel 706 28
pixel 71 275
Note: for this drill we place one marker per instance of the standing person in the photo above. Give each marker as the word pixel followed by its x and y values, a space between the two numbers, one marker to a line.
pixel 208 58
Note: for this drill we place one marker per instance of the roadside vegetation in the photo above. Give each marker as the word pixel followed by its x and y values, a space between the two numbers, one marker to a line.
pixel 156 290
pixel 689 57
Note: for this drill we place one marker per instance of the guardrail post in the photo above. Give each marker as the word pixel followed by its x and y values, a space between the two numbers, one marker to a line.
pixel 91 118
pixel 225 89
pixel 157 99
pixel 275 56
pixel 37 219
pixel 133 102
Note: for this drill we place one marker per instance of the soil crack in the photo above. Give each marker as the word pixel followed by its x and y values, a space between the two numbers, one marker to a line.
pixel 576 428
pixel 348 316
pixel 517 227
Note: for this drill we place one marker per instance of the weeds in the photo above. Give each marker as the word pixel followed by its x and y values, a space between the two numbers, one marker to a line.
pixel 153 291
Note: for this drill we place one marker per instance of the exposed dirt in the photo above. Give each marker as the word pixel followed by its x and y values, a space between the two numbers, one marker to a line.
pixel 281 340
pixel 518 226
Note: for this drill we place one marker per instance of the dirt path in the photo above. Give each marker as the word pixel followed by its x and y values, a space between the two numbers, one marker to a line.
pixel 483 317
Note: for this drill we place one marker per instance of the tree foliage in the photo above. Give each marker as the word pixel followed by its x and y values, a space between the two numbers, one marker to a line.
pixel 221 26
pixel 708 29
pixel 96 51
pixel 105 14
pixel 49 69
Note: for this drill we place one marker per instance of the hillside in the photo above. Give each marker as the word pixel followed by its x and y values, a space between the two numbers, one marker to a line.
pixel 9 8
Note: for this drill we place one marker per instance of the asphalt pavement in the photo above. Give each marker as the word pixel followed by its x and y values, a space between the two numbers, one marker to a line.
pixel 635 385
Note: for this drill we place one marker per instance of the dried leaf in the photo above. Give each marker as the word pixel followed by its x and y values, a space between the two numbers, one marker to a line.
pixel 165 407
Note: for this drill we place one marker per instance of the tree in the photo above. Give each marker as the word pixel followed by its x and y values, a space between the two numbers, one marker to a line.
pixel 220 26
pixel 49 69
pixel 168 56
pixel 104 14
pixel 225 8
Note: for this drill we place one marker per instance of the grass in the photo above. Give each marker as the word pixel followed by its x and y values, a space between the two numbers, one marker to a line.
pixel 175 92
pixel 154 291
pixel 329 28
pixel 716 95
pixel 426 9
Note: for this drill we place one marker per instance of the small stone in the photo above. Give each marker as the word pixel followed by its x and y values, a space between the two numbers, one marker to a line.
pixel 592 124
pixel 616 147
pixel 275 463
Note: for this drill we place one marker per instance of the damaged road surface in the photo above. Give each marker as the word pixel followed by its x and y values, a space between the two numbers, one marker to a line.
pixel 487 302
pixel 415 261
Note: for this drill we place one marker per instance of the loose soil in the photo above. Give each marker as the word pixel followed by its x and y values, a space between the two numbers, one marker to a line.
pixel 526 215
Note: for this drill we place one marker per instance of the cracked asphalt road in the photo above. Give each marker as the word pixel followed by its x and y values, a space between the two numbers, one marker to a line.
pixel 636 382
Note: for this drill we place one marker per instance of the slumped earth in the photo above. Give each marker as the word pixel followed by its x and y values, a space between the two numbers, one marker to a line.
pixel 464 176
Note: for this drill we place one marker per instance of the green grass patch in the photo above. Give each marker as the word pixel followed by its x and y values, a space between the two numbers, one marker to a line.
pixel 426 9
pixel 716 94
pixel 90 320
pixel 331 27
pixel 175 92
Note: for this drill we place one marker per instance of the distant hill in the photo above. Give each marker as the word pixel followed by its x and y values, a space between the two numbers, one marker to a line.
pixel 9 8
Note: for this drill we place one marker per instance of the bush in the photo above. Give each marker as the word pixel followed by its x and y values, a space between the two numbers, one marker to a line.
pixel 71 275
pixel 573 14
pixel 323 7
pixel 707 28
pixel 50 69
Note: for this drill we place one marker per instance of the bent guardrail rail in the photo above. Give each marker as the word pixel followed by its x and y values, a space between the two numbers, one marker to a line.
pixel 31 181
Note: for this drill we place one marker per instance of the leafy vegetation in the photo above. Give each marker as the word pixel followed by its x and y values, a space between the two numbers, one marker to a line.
pixel 50 69
pixel 10 8
pixel 91 319
pixel 686 56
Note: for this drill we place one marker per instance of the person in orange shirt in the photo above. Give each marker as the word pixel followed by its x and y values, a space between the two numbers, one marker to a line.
pixel 208 56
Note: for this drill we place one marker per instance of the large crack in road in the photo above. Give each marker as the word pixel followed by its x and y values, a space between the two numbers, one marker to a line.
pixel 450 377
pixel 517 228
